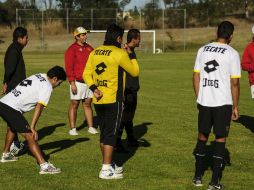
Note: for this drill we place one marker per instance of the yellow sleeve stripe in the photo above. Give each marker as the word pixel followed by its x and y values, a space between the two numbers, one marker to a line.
pixel 196 71
pixel 235 77
pixel 42 103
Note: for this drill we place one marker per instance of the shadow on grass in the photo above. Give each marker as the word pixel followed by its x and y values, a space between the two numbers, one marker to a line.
pixel 208 161
pixel 46 131
pixel 84 124
pixel 139 131
pixel 56 145
pixel 60 145
pixel 246 121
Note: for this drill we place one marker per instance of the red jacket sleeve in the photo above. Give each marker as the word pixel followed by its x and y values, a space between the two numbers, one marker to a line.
pixel 248 58
pixel 69 64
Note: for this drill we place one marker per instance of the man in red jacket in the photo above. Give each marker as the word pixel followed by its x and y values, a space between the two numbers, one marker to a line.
pixel 76 57
pixel 248 62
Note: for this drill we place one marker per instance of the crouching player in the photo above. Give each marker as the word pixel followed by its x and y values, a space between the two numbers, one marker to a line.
pixel 32 93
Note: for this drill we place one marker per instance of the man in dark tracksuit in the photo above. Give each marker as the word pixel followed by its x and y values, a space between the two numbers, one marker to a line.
pixel 14 65
pixel 130 98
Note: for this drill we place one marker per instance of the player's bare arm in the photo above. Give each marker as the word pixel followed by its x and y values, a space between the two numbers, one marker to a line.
pixel 98 94
pixel 4 88
pixel 235 89
pixel 74 87
pixel 196 79
pixel 37 112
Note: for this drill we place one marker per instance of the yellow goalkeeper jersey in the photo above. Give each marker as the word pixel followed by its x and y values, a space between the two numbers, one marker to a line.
pixel 105 70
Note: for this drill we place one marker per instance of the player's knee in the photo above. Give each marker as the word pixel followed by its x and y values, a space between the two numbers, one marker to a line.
pixel 203 136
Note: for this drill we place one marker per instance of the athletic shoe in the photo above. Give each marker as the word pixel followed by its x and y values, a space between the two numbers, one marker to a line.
pixel 197 181
pixel 117 169
pixel 51 169
pixel 9 157
pixel 92 130
pixel 17 147
pixel 110 174
pixel 212 186
pixel 73 132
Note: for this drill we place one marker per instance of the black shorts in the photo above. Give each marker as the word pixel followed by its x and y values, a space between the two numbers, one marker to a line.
pixel 217 117
pixel 130 101
pixel 14 119
pixel 109 118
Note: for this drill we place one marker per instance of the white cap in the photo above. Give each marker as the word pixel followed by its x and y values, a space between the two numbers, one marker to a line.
pixel 252 29
pixel 80 30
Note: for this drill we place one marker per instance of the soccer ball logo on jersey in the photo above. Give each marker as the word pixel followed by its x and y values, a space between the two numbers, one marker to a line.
pixel 100 68
pixel 211 66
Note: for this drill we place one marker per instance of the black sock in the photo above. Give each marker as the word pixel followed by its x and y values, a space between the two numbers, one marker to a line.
pixel 218 156
pixel 199 153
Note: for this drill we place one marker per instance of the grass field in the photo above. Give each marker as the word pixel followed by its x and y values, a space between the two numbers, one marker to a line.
pixel 165 123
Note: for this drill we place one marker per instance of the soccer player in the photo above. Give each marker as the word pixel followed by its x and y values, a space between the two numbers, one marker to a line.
pixel 130 98
pixel 32 93
pixel 248 62
pixel 216 85
pixel 75 61
pixel 104 74
pixel 14 69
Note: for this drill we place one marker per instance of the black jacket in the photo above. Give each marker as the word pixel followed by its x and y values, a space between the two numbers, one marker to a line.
pixel 132 83
pixel 14 66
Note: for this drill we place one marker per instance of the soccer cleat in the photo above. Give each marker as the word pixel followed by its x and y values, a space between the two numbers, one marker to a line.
pixel 8 157
pixel 16 148
pixel 197 181
pixel 110 174
pixel 213 186
pixel 50 169
pixel 117 169
pixel 92 130
pixel 73 132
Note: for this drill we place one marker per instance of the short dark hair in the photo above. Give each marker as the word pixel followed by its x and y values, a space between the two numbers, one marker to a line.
pixel 113 32
pixel 132 34
pixel 19 32
pixel 225 30
pixel 57 72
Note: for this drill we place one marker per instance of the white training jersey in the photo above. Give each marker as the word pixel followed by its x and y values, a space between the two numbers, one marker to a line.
pixel 217 63
pixel 34 89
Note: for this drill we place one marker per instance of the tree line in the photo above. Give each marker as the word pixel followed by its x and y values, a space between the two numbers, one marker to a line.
pixel 199 13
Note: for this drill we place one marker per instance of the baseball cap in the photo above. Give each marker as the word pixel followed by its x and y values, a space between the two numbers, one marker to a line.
pixel 252 29
pixel 80 30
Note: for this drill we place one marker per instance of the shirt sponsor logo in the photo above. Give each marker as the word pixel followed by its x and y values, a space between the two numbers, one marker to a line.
pixel 102 83
pixel 211 66
pixel 100 68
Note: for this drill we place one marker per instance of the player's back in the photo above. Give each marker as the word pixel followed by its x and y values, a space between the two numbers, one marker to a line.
pixel 217 64
pixel 34 89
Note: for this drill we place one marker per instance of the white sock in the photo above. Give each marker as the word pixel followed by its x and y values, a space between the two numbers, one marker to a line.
pixel 44 165
pixel 105 166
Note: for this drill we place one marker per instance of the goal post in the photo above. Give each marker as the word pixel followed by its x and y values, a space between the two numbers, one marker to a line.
pixel 148 39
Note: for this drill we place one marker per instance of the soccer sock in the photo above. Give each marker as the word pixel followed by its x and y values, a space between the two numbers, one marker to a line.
pixel 105 166
pixel 129 130
pixel 44 165
pixel 219 151
pixel 199 153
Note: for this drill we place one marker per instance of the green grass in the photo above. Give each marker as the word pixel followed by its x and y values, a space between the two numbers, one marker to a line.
pixel 166 122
